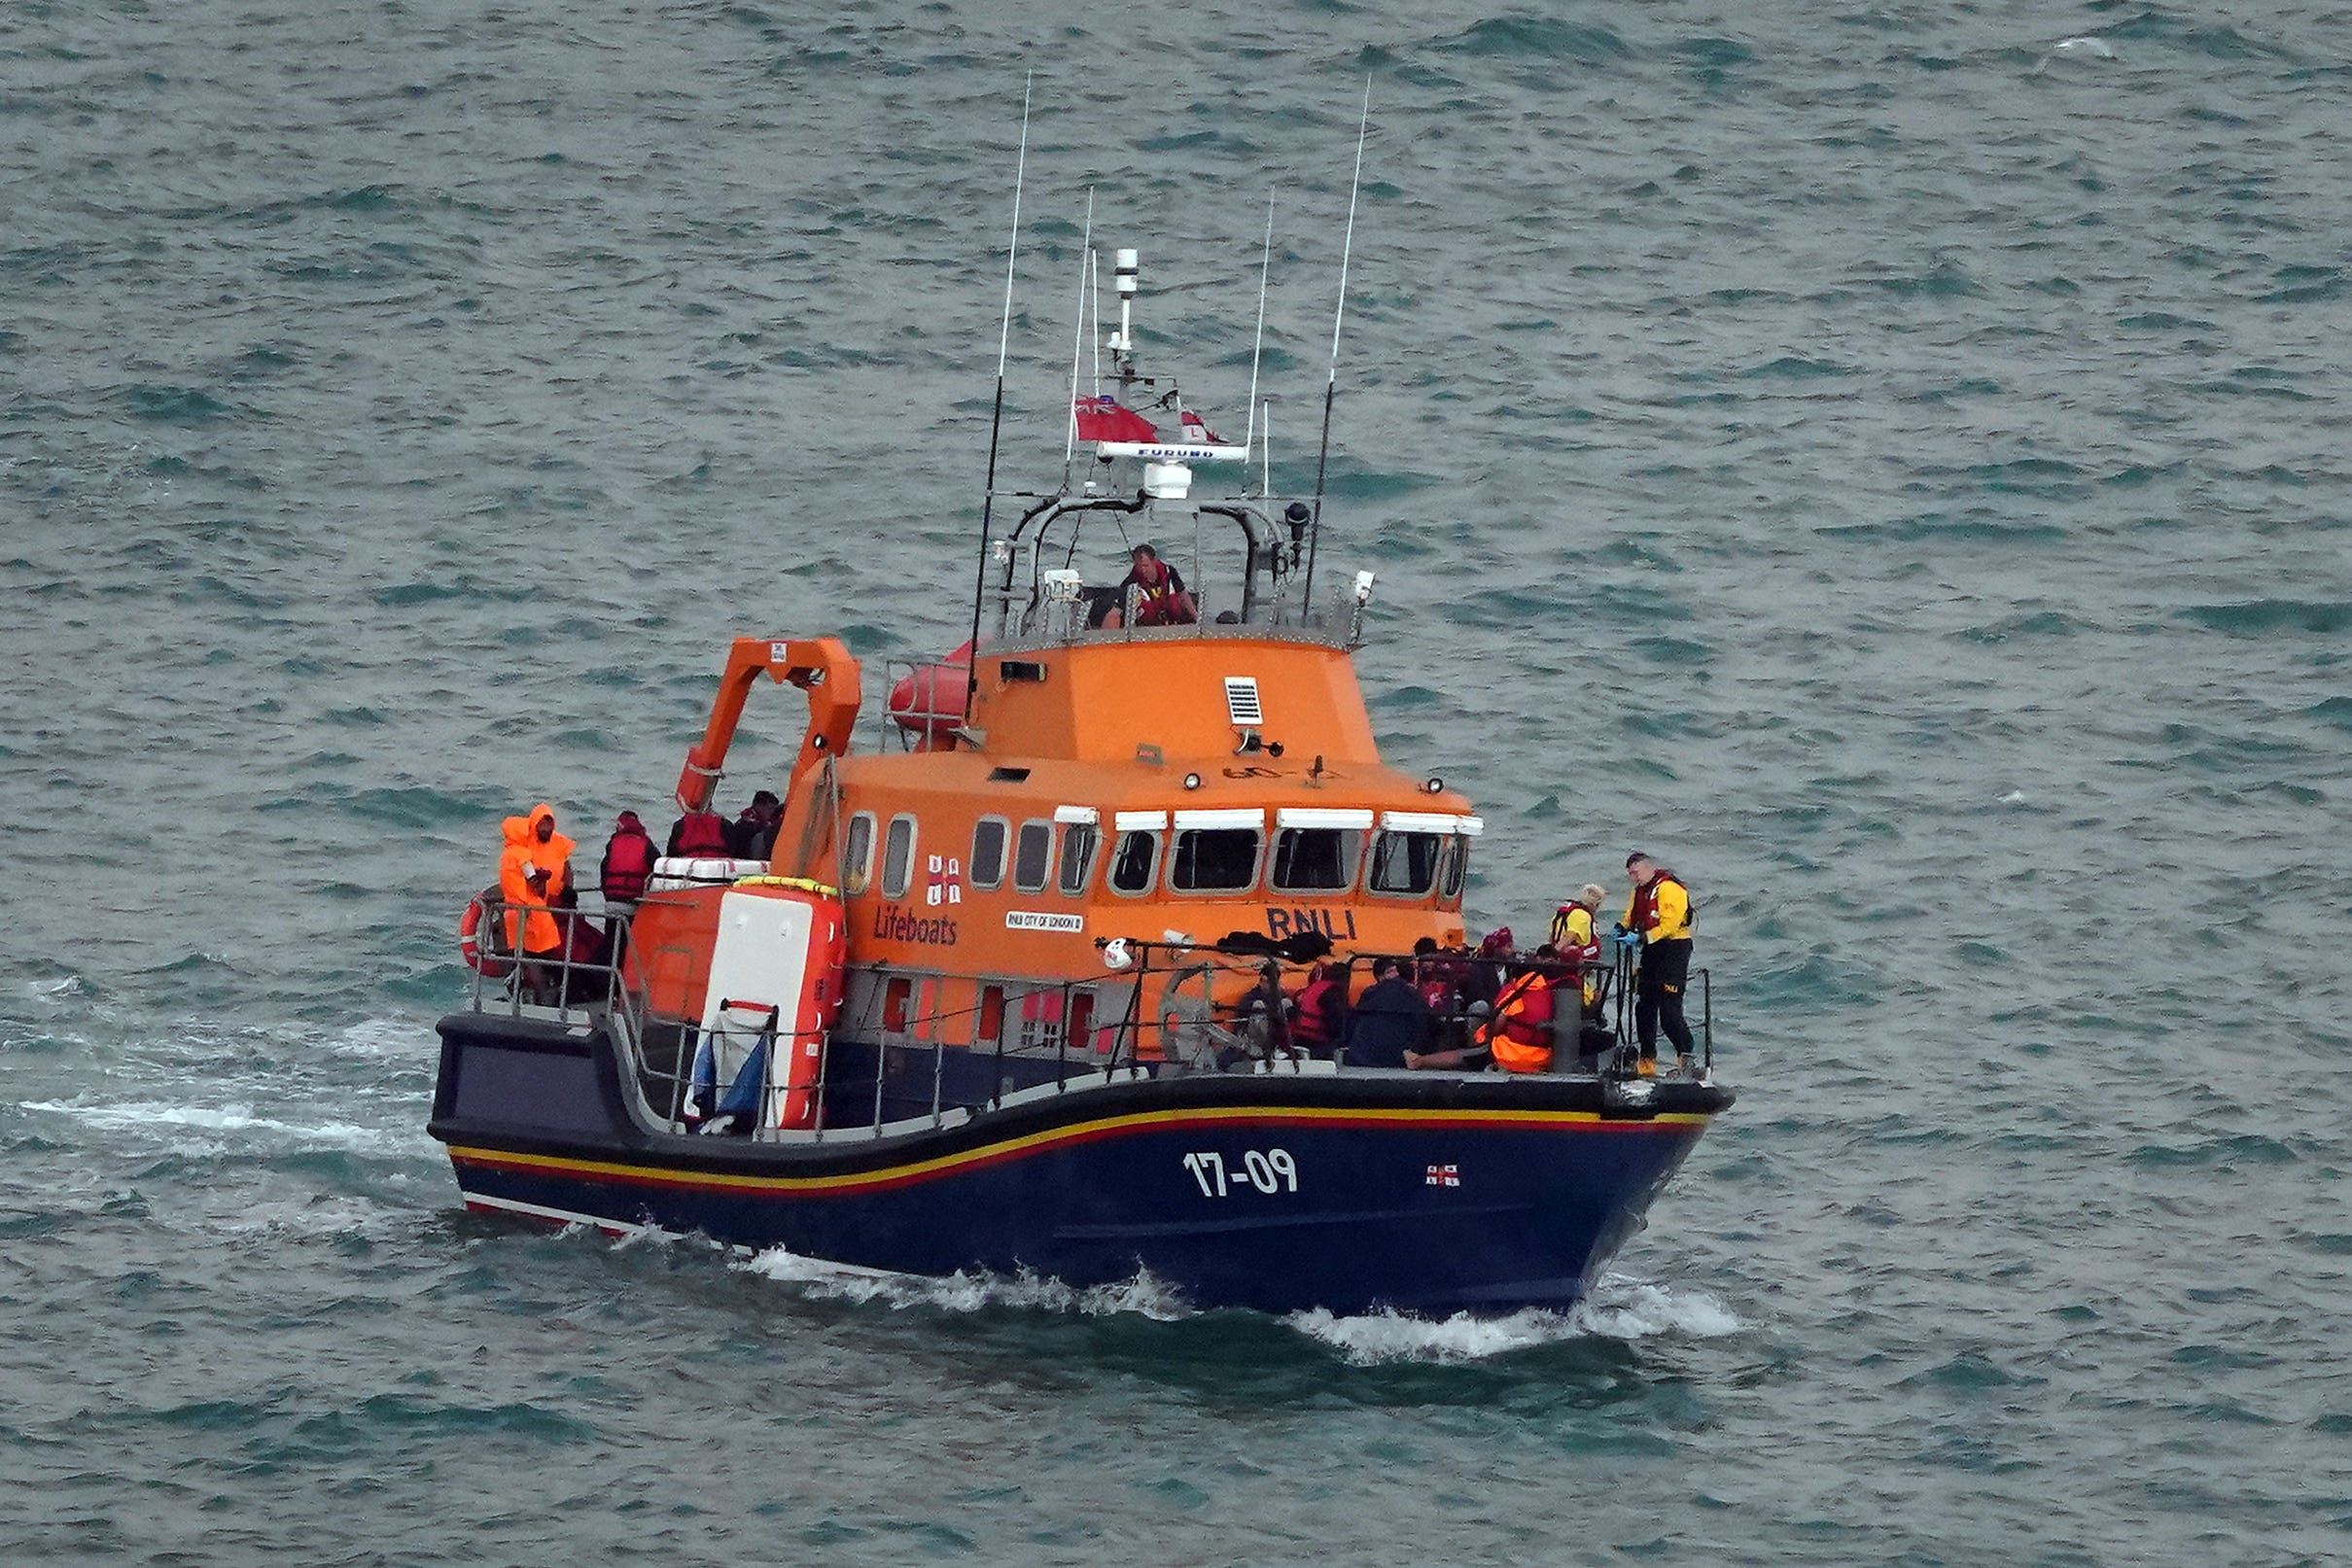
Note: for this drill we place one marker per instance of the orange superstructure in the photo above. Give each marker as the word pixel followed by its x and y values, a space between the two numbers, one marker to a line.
pixel 1166 785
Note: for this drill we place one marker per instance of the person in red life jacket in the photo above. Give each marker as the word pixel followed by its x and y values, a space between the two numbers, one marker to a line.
pixel 1161 598
pixel 533 871
pixel 628 861
pixel 1322 1012
pixel 701 834
pixel 752 836
pixel 1576 933
pixel 1520 1033
pixel 1657 933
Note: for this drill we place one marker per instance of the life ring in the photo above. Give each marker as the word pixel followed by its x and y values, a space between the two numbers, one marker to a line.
pixel 485 953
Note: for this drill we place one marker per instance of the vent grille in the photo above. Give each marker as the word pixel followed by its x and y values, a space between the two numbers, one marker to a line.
pixel 1241 701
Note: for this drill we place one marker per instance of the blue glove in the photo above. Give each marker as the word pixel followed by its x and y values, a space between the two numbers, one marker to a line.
pixel 1630 941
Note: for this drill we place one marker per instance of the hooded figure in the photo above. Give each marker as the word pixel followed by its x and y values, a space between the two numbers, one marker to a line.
pixel 533 869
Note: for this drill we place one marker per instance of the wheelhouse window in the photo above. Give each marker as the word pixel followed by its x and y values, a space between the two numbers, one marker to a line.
pixel 1453 869
pixel 1033 857
pixel 1134 861
pixel 1316 859
pixel 899 857
pixel 988 852
pixel 858 854
pixel 1215 859
pixel 1404 863
pixel 1078 843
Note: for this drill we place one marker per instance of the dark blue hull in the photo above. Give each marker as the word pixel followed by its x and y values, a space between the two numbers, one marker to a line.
pixel 1430 1193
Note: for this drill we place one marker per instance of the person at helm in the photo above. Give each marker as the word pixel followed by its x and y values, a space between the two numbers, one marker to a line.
pixel 1657 932
pixel 1159 595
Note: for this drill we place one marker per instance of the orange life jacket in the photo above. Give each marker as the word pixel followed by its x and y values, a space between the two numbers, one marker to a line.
pixel 1521 1031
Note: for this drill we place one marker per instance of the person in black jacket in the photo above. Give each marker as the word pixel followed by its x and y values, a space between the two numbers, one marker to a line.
pixel 1389 1021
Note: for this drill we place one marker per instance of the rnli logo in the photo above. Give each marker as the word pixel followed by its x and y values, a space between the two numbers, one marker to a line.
pixel 1443 1177
pixel 945 884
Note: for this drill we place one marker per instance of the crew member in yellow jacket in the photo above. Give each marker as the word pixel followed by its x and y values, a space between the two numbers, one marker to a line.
pixel 1657 932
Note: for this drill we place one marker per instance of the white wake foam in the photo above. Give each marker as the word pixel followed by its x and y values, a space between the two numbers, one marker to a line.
pixel 162 1119
pixel 962 1292
pixel 1620 1310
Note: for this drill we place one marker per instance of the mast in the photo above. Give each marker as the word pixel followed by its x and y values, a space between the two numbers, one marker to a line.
pixel 996 423
pixel 1315 532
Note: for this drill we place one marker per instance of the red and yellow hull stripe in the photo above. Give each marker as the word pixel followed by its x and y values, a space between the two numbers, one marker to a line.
pixel 886 1177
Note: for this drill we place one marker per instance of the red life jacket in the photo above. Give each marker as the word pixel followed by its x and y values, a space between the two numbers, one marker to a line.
pixel 700 835
pixel 628 863
pixel 1645 902
pixel 1584 952
pixel 1313 1026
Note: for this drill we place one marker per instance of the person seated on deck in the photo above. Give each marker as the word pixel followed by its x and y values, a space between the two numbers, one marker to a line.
pixel 534 872
pixel 701 834
pixel 1263 1017
pixel 1520 1033
pixel 1320 1010
pixel 1160 597
pixel 1391 1025
pixel 752 836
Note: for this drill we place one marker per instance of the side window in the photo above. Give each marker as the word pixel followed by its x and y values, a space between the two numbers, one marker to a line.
pixel 899 857
pixel 1453 869
pixel 988 852
pixel 1033 858
pixel 858 854
pixel 1132 864
pixel 1215 859
pixel 1316 859
pixel 1405 862
pixel 1079 841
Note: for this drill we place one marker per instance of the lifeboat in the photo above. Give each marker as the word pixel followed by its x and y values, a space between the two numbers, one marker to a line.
pixel 1011 990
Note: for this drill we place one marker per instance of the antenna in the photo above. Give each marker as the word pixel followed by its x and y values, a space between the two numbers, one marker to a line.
pixel 1077 339
pixel 1257 348
pixel 1330 387
pixel 996 423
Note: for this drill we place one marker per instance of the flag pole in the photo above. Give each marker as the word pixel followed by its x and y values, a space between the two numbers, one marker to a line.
pixel 1257 349
pixel 1315 532
pixel 1077 340
pixel 996 423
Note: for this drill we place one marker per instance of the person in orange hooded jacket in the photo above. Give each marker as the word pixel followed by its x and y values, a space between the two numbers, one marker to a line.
pixel 533 872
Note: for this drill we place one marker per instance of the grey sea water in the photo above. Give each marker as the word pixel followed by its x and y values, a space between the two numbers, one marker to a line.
pixel 1886 459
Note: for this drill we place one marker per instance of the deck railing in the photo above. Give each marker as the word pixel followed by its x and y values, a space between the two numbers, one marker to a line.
pixel 868 1065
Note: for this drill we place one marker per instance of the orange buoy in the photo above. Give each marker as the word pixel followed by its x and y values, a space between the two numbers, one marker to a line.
pixel 484 957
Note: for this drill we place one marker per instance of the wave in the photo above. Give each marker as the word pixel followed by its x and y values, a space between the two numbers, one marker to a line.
pixel 160 1118
pixel 1622 1310
pixel 1619 1310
